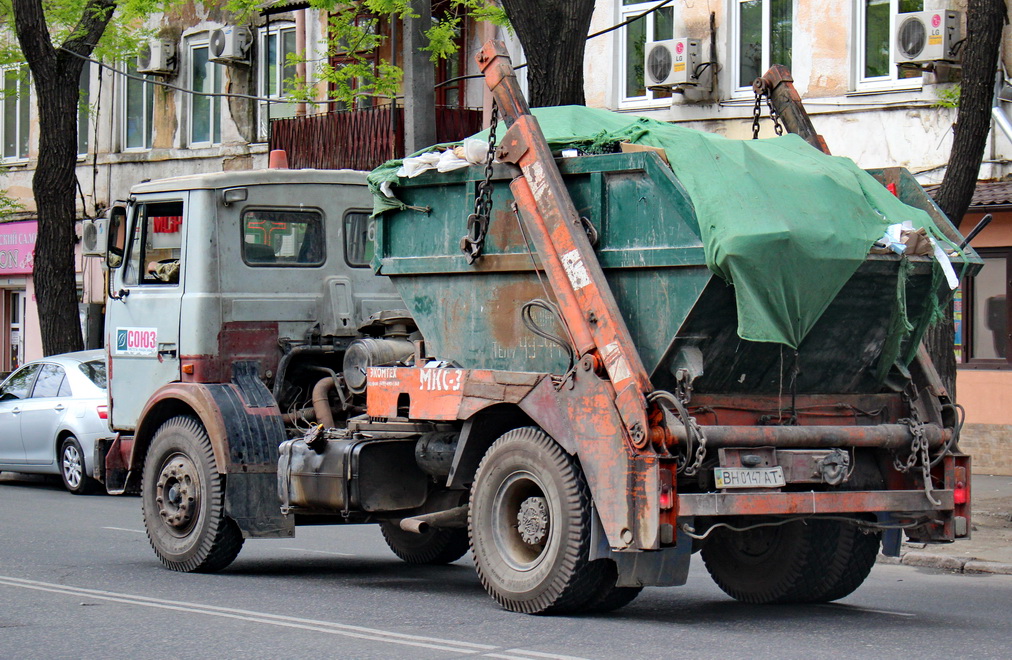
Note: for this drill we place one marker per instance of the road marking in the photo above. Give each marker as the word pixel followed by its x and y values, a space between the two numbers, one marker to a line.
pixel 320 552
pixel 359 632
pixel 852 608
pixel 124 529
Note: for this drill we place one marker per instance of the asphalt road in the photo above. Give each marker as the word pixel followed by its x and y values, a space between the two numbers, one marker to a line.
pixel 79 580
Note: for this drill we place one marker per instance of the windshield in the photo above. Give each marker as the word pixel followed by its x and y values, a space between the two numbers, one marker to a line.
pixel 95 371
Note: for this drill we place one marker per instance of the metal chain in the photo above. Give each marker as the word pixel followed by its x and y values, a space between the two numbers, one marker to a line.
pixel 693 432
pixel 919 451
pixel 473 242
pixel 757 113
pixel 774 115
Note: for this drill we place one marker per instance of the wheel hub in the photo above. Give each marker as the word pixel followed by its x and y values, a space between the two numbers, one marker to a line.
pixel 177 493
pixel 532 520
pixel 72 466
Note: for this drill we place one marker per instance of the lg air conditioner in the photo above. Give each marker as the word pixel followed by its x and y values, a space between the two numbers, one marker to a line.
pixel 230 44
pixel 672 63
pixel 927 36
pixel 157 56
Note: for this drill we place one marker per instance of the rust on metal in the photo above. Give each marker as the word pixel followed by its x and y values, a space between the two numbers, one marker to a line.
pixel 884 436
pixel 584 297
pixel 811 503
pixel 779 85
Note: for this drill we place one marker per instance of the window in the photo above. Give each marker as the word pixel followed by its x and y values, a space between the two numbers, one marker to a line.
pixel 138 104
pixel 282 237
pixel 205 111
pixel 49 382
pixel 156 244
pixel 16 97
pixel 655 26
pixel 876 24
pixel 985 311
pixel 20 384
pixel 84 110
pixel 95 371
pixel 763 37
pixel 359 230
pixel 277 42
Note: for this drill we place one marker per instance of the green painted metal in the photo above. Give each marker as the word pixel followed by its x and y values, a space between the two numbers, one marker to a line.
pixel 648 245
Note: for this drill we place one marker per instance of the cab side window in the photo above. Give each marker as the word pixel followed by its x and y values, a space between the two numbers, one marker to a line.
pixel 358 238
pixel 283 237
pixel 156 244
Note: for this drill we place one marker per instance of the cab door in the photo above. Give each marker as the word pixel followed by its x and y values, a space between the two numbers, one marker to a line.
pixel 142 315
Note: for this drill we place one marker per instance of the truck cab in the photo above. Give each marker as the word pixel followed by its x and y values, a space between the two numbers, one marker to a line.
pixel 213 270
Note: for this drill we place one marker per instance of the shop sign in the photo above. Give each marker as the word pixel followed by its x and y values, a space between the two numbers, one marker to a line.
pixel 17 247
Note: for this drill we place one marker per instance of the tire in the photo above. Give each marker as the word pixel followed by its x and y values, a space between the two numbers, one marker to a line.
pixel 610 597
pixel 853 557
pixel 73 471
pixel 434 547
pixel 776 564
pixel 183 500
pixel 529 525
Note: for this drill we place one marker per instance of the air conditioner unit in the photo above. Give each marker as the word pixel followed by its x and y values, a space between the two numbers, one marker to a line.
pixel 157 56
pixel 93 239
pixel 927 36
pixel 672 62
pixel 230 44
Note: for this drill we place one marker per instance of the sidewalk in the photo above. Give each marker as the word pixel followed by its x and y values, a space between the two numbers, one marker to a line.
pixel 989 549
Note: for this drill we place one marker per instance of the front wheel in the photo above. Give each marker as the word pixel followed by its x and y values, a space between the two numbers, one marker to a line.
pixel 72 470
pixel 529 524
pixel 183 500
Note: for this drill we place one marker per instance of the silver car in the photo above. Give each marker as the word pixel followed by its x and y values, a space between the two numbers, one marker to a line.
pixel 52 411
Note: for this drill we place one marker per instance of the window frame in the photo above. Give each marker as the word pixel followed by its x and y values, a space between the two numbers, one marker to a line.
pixel 285 209
pixel 968 362
pixel 147 92
pixel 139 223
pixel 265 110
pixel 892 81
pixel 743 89
pixel 22 116
pixel 216 72
pixel 346 236
pixel 652 98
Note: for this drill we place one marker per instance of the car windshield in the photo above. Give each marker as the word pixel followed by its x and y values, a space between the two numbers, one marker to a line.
pixel 95 371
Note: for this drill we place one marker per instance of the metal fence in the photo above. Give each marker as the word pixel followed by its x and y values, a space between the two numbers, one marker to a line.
pixel 360 139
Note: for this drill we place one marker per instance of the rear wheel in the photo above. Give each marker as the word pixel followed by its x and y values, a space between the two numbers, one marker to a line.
pixel 72 469
pixel 435 546
pixel 529 525
pixel 183 500
pixel 609 596
pixel 854 556
pixel 781 563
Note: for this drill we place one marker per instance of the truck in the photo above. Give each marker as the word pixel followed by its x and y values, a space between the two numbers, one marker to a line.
pixel 560 382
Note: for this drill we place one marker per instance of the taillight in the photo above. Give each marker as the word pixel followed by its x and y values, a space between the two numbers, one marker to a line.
pixel 666 497
pixel 103 412
pixel 960 494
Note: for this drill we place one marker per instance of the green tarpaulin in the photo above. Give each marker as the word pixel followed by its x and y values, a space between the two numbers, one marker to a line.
pixel 782 222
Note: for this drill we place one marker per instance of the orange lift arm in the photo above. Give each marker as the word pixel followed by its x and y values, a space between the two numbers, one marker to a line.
pixel 585 300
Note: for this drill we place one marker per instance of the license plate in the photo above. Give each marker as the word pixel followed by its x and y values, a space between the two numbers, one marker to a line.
pixel 735 477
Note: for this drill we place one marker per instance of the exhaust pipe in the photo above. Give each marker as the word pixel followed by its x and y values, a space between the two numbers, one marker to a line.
pixel 451 518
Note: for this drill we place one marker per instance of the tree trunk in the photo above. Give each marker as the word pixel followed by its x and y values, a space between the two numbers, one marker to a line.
pixel 554 37
pixel 984 22
pixel 56 77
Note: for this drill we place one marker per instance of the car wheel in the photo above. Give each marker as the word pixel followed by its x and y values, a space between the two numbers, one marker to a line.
pixel 183 500
pixel 72 467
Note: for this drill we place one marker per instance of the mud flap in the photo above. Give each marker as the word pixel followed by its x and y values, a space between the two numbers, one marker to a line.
pixel 254 430
pixel 667 567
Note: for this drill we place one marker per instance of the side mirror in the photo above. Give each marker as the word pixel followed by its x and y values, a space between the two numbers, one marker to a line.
pixel 115 236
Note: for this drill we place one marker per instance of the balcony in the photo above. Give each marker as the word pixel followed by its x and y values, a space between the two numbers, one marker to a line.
pixel 360 139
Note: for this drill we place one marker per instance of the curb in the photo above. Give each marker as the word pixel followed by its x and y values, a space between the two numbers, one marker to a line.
pixel 948 563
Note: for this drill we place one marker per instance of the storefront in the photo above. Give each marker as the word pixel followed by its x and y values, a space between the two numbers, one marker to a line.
pixel 19 327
